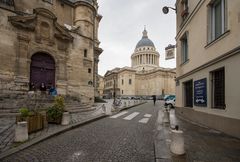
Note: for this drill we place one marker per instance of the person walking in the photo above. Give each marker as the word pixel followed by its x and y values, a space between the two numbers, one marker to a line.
pixel 154 99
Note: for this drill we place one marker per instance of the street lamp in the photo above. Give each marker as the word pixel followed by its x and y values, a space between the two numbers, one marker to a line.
pixel 165 9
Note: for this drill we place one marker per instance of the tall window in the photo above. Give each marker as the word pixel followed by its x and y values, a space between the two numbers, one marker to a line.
pixel 188 94
pixel 85 53
pixel 122 81
pixel 184 49
pixel 130 81
pixel 217 19
pixel 218 88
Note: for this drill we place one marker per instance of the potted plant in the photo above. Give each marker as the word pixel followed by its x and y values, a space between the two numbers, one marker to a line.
pixel 34 119
pixel 55 112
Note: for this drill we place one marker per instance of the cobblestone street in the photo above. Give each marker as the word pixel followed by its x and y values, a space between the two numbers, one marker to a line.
pixel 110 139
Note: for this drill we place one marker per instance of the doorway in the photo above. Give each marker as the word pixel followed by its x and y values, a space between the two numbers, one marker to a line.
pixel 42 70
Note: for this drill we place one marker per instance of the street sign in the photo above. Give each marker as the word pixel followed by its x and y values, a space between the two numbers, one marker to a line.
pixel 200 92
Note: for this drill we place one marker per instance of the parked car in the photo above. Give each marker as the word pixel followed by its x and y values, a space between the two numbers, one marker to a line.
pixel 167 97
pixel 170 102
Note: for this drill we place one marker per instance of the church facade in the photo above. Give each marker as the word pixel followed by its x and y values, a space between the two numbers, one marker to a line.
pixel 50 42
pixel 144 77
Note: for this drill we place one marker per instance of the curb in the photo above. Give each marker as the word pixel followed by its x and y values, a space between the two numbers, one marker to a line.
pixel 125 108
pixel 49 135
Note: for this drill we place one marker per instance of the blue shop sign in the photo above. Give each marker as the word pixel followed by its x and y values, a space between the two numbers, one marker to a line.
pixel 200 92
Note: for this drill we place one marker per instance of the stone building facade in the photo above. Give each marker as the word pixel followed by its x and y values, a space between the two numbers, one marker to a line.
pixel 54 42
pixel 208 55
pixel 144 78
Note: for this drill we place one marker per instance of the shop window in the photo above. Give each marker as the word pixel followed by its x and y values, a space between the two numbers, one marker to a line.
pixel 188 93
pixel 218 88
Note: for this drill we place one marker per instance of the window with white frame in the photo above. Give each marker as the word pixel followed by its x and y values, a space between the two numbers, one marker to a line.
pixel 217 19
pixel 184 48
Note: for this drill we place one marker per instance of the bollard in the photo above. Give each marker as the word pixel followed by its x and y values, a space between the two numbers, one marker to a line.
pixel 21 132
pixel 177 144
pixel 103 108
pixel 159 120
pixel 166 116
pixel 66 118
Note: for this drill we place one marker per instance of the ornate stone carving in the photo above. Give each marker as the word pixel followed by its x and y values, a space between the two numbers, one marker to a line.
pixel 45 26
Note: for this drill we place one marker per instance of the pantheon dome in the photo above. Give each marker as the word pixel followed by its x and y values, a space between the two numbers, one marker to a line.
pixel 145 56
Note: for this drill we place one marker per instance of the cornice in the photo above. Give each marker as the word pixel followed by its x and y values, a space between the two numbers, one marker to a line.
pixel 222 57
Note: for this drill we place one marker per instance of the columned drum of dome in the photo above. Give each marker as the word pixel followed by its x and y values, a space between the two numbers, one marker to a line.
pixel 145 56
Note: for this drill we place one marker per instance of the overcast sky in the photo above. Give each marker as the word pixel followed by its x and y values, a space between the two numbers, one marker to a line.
pixel 122 25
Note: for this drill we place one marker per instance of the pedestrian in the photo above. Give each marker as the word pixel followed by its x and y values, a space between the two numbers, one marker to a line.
pixel 43 87
pixel 53 91
pixel 154 99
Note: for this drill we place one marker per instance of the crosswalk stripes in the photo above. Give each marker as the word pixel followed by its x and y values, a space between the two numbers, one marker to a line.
pixel 133 115
pixel 147 115
pixel 119 114
pixel 143 120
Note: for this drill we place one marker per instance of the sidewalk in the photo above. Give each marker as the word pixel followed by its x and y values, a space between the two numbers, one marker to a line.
pixel 7 128
pixel 201 144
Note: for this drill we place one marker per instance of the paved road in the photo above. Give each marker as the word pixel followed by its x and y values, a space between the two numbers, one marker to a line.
pixel 126 137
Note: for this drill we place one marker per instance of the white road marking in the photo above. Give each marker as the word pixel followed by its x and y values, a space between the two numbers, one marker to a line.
pixel 143 120
pixel 147 115
pixel 131 116
pixel 119 114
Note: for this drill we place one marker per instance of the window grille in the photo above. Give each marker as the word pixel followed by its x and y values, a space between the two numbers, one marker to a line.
pixel 188 91
pixel 218 89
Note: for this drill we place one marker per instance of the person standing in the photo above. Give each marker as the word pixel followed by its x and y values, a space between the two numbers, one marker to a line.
pixel 154 99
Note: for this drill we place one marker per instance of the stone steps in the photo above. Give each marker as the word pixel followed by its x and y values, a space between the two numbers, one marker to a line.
pixel 78 107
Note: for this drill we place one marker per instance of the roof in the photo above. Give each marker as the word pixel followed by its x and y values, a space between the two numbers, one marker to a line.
pixel 145 41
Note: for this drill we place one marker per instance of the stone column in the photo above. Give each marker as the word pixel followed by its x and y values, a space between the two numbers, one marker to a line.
pixel 22 66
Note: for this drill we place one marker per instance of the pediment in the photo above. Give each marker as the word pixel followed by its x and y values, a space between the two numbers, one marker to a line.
pixel 41 19
pixel 23 22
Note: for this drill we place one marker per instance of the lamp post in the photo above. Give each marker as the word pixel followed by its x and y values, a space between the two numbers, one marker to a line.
pixel 165 9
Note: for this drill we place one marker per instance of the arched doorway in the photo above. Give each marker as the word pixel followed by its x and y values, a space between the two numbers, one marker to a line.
pixel 42 70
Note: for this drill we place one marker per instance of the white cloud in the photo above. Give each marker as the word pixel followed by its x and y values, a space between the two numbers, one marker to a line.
pixel 122 25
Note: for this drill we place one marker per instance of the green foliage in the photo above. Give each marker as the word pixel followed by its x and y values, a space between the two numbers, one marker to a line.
pixel 55 112
pixel 59 103
pixel 24 112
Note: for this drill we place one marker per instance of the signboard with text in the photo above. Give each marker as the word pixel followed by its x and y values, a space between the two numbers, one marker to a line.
pixel 200 92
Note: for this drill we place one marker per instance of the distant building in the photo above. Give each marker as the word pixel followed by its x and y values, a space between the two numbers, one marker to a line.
pixel 54 43
pixel 208 60
pixel 100 86
pixel 144 78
